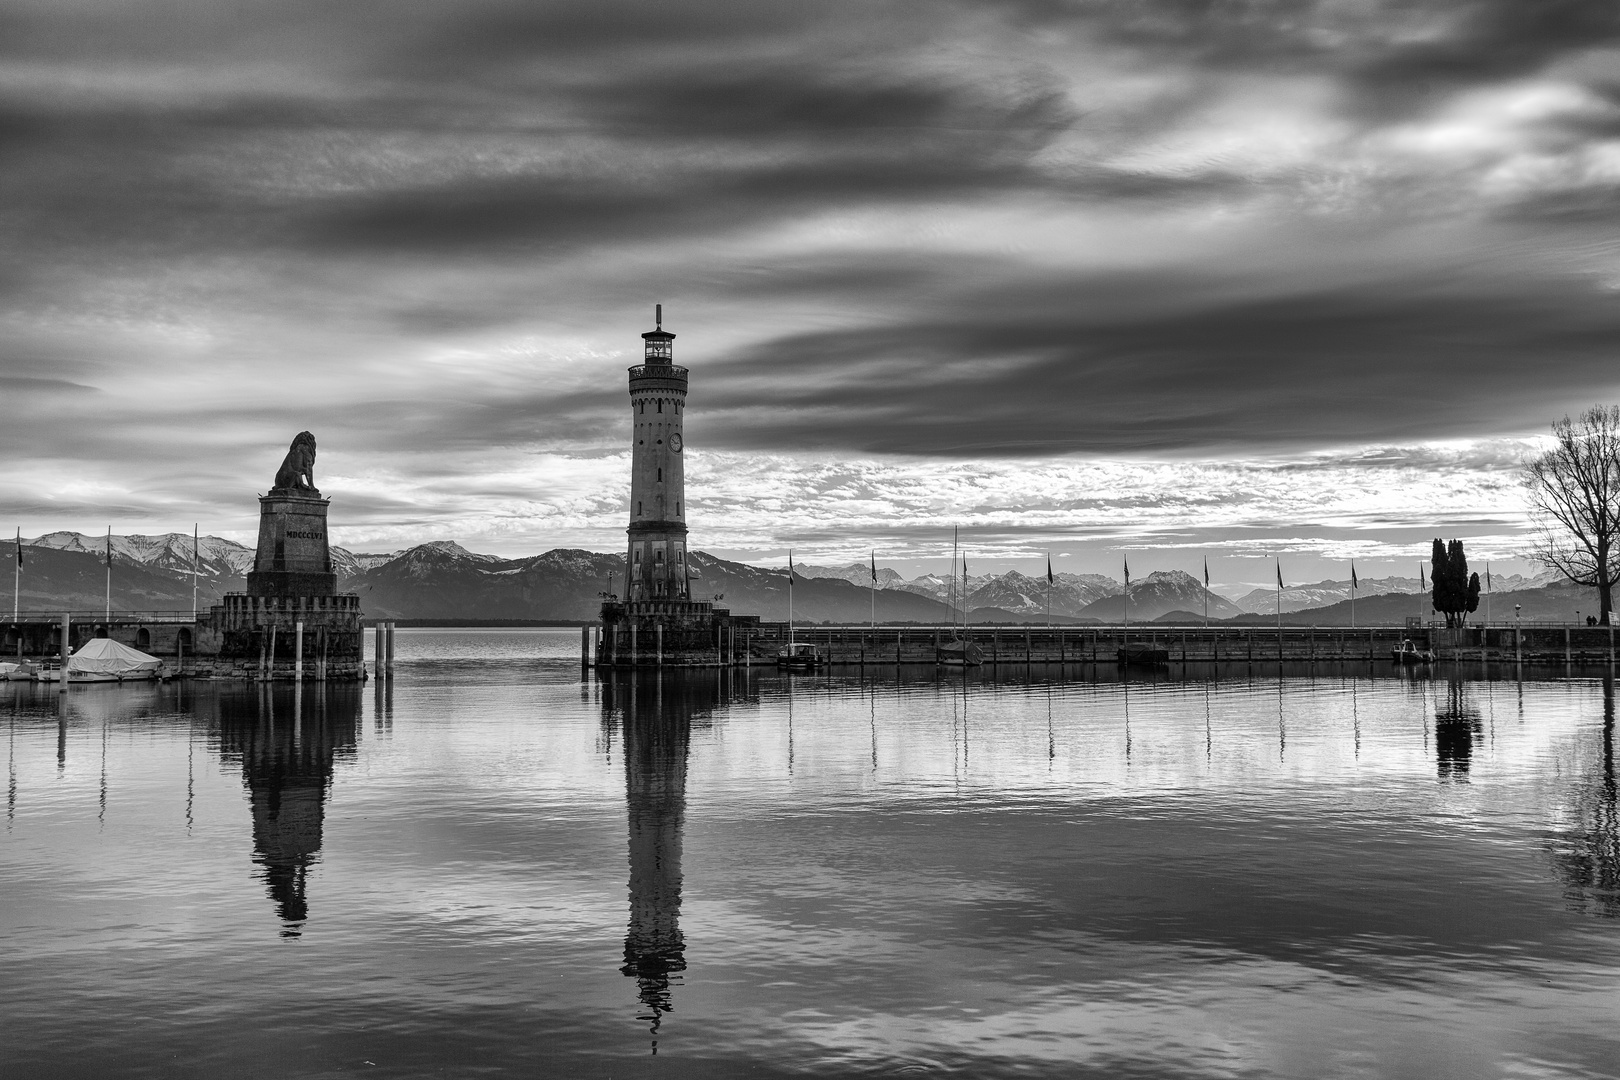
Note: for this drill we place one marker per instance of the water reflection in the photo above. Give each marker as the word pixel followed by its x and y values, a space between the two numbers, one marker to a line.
pixel 655 716
pixel 1588 852
pixel 288 742
pixel 1458 724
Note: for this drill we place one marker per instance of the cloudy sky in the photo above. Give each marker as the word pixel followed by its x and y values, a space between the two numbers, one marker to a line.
pixel 1166 277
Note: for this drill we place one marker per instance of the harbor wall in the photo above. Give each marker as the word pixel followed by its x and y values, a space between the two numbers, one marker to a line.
pixel 758 642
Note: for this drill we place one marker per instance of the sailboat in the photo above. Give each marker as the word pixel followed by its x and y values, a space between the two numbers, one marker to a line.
pixel 796 655
pixel 958 652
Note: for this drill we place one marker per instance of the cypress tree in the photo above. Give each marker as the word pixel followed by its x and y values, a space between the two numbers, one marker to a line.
pixel 1455 592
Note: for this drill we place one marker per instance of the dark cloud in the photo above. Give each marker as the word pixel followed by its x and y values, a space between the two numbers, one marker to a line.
pixel 1049 370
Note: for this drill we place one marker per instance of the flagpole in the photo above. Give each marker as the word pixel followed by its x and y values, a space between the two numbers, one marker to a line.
pixel 1049 590
pixel 16 578
pixel 1279 607
pixel 790 590
pixel 874 594
pixel 109 574
pixel 1352 594
pixel 1206 592
pixel 195 528
pixel 1487 594
pixel 1127 595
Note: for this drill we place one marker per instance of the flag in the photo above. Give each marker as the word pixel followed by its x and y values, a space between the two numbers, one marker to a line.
pixel 964 571
pixel 1127 573
pixel 1206 571
pixel 1279 574
pixel 1049 568
pixel 1354 584
pixel 1423 586
pixel 874 568
pixel 1487 577
pixel 109 545
pixel 790 564
pixel 19 549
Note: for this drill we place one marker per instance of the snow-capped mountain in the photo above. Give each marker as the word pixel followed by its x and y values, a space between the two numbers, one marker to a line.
pixel 216 556
pixel 857 573
pixel 1160 593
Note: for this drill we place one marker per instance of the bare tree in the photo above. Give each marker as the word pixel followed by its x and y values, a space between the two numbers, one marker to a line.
pixel 1574 491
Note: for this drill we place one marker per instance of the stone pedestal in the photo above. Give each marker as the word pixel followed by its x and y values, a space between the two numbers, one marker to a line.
pixel 293 558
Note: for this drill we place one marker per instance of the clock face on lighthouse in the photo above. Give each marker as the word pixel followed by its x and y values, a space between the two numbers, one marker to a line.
pixel 675 442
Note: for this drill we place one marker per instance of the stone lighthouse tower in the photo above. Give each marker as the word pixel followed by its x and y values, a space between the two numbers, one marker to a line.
pixel 657 623
pixel 656 560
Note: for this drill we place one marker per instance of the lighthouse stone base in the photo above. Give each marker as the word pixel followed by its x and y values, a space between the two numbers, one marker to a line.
pixel 673 633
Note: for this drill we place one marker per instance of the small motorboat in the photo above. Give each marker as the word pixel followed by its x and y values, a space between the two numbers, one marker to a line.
pixel 798 656
pixel 1407 652
pixel 105 660
pixel 1142 654
pixel 958 653
pixel 22 671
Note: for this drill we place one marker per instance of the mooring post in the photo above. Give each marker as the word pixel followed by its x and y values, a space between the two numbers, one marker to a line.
pixel 67 648
pixel 1566 646
pixel 298 651
pixel 584 648
pixel 659 633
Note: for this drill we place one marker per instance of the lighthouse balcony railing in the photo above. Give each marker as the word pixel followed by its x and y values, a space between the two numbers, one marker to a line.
pixel 655 374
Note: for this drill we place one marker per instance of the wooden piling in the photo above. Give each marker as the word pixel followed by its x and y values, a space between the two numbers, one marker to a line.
pixel 67 650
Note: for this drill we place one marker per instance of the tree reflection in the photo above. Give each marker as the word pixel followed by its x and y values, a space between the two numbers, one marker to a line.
pixel 1457 725
pixel 1587 852
pixel 287 742
pixel 655 715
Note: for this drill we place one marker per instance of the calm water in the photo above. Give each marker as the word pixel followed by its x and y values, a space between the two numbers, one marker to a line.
pixel 494 868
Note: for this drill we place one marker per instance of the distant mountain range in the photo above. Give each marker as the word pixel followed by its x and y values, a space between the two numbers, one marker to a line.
pixel 443 580
pixel 1324 593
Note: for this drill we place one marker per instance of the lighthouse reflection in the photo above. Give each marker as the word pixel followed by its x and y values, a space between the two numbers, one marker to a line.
pixel 654 716
pixel 288 742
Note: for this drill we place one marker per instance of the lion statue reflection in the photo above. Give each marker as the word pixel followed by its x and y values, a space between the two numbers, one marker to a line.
pixel 297 472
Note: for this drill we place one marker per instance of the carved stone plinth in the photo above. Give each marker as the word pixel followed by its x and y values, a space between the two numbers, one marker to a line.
pixel 293 558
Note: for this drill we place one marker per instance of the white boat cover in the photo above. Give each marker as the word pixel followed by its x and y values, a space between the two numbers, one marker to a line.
pixel 104 656
pixel 6 668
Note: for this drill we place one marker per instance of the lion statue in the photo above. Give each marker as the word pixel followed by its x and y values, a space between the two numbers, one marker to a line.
pixel 297 472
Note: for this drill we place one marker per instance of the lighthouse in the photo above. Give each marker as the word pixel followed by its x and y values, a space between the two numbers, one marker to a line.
pixel 657 623
pixel 656 560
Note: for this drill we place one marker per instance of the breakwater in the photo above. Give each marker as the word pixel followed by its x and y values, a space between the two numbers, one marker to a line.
pixel 866 645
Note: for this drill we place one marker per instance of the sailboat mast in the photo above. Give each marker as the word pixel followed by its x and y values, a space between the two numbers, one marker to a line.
pixel 952 605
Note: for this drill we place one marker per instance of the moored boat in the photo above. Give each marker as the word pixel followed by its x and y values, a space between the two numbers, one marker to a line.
pixel 959 653
pixel 1142 654
pixel 105 660
pixel 798 656
pixel 1407 652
